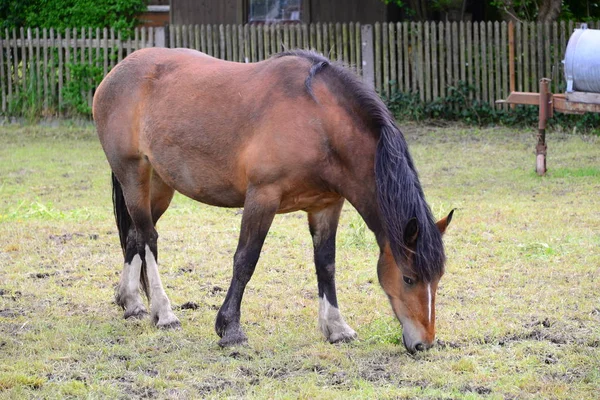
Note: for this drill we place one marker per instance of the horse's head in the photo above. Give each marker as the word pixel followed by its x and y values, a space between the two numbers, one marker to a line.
pixel 412 299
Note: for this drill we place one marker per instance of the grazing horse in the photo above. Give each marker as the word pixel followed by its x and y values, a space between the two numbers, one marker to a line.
pixel 294 132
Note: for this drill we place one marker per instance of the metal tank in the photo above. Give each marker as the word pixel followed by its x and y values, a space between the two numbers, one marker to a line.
pixel 582 61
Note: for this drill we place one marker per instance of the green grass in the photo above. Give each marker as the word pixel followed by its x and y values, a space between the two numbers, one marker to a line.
pixel 518 311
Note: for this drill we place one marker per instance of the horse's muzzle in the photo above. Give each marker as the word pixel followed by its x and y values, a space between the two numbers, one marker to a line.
pixel 415 347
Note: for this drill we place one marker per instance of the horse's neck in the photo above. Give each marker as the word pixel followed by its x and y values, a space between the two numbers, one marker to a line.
pixel 364 201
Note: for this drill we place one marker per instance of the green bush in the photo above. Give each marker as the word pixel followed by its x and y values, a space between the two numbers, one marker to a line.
pixel 61 14
pixel 459 105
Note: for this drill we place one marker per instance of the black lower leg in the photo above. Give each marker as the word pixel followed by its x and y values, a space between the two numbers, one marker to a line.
pixel 256 222
pixel 324 253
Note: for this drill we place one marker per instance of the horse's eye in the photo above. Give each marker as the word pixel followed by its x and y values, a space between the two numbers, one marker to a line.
pixel 407 280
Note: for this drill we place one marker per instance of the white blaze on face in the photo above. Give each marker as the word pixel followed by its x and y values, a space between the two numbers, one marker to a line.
pixel 429 300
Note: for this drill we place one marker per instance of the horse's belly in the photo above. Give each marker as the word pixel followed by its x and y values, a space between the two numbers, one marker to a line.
pixel 206 185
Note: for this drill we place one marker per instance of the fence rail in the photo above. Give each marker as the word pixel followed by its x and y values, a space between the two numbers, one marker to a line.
pixel 53 72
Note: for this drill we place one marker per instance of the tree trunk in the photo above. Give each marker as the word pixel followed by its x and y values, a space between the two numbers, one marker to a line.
pixel 549 10
pixel 508 12
pixel 420 9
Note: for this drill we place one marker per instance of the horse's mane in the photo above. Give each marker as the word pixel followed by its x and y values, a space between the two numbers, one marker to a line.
pixel 399 193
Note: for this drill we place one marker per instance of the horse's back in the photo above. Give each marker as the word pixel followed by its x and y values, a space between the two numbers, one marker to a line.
pixel 212 128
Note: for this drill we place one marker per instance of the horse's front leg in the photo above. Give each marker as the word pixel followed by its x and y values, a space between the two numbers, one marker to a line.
pixel 259 210
pixel 323 227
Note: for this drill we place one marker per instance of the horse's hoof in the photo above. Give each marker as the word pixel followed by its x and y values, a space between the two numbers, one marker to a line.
pixel 233 339
pixel 137 312
pixel 175 325
pixel 168 322
pixel 343 337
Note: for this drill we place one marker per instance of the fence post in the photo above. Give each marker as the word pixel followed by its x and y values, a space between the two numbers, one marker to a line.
pixel 167 35
pixel 159 36
pixel 368 67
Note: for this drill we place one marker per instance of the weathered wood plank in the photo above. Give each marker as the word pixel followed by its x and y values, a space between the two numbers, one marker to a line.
pixel 455 55
pixel 442 58
pixel 377 45
pixel 491 64
pixel 352 45
pixel 339 42
pixel 519 56
pixel 60 72
pixel 209 40
pixel 332 43
pixel 222 49
pixel 358 44
pixel 260 43
pixel 533 54
pixel 526 58
pixel 469 57
pixel 420 67
pixel 305 37
pixel 319 38
pixel 385 55
pixel 253 49
pixel 401 56
pixel 68 57
pixel 477 54
pixel 435 82
pixel 541 50
pixel 426 66
pixel 462 50
pixel 548 52
pixel 3 93
pixel 45 70
pixel 345 44
pixel 393 58
pixel 197 40
pixel 484 61
pixel 414 58
pixel 38 66
pixel 556 75
pixel 503 92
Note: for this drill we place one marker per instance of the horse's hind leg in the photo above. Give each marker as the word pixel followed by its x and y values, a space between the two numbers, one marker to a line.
pixel 260 207
pixel 323 227
pixel 146 198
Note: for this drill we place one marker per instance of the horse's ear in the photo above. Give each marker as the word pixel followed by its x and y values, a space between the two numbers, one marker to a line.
pixel 411 232
pixel 443 223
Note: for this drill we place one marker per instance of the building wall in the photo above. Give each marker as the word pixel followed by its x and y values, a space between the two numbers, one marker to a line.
pixel 363 11
pixel 154 19
pixel 207 12
pixel 235 11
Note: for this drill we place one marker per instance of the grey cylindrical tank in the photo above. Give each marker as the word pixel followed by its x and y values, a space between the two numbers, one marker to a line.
pixel 582 61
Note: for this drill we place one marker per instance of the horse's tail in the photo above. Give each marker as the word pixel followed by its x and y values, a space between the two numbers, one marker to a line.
pixel 124 224
pixel 122 216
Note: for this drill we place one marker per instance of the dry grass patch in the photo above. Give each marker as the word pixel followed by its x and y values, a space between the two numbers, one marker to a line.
pixel 518 310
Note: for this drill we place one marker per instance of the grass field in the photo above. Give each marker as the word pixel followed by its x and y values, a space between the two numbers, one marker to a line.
pixel 518 311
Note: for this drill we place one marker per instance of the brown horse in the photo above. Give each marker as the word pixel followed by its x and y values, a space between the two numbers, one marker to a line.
pixel 294 132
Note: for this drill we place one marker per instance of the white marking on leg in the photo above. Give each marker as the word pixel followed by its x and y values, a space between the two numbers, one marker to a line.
pixel 161 306
pixel 129 282
pixel 128 295
pixel 133 271
pixel 331 322
pixel 429 300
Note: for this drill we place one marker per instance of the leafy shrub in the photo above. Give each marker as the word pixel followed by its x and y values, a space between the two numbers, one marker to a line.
pixel 61 14
pixel 460 105
pixel 84 77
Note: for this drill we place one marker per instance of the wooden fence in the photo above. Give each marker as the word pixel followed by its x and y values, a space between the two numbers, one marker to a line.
pixel 55 73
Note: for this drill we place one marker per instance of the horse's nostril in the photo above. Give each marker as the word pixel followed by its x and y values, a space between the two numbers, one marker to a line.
pixel 420 347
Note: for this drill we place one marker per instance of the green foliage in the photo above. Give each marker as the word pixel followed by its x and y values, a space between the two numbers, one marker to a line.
pixel 12 13
pixel 459 105
pixel 61 14
pixel 84 77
